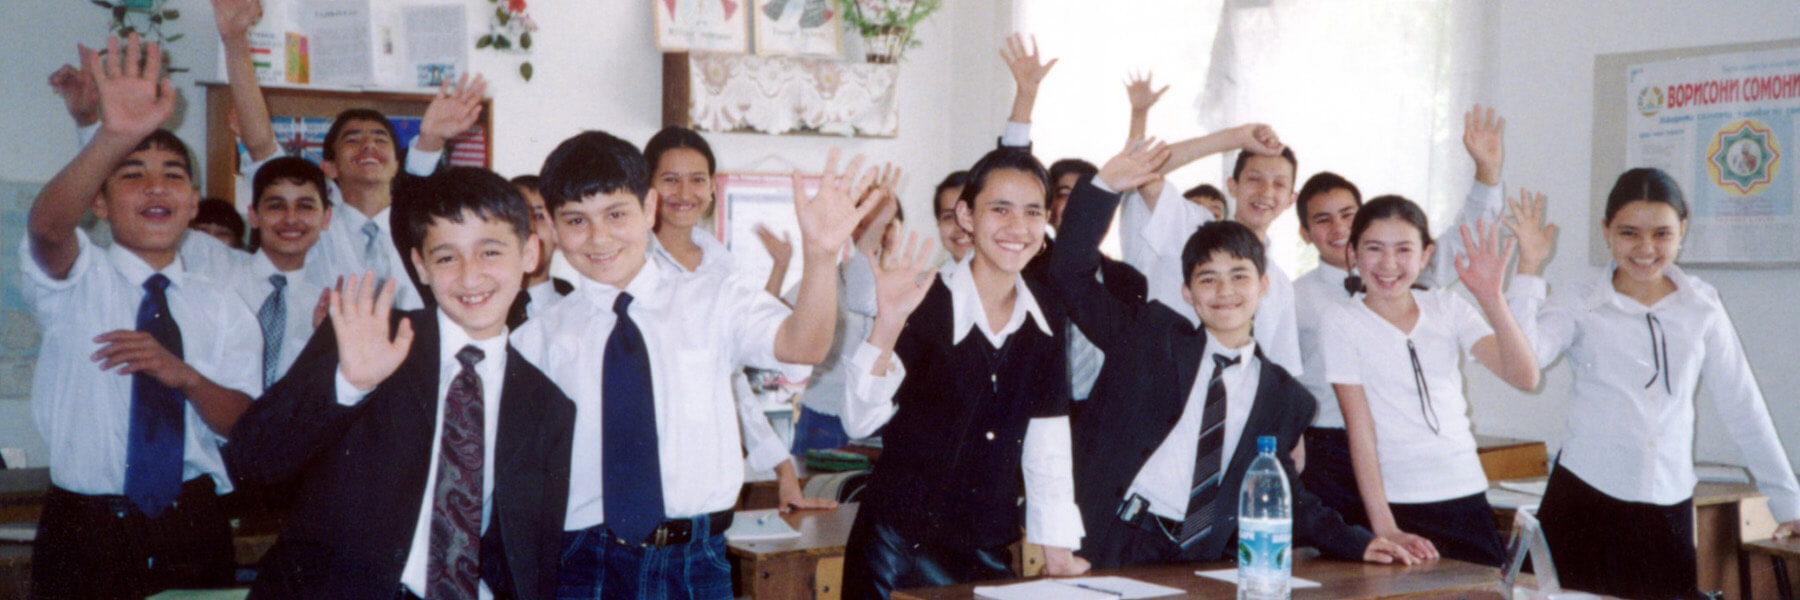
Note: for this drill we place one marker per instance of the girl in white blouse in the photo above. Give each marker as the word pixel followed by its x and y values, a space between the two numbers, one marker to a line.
pixel 1392 354
pixel 1619 509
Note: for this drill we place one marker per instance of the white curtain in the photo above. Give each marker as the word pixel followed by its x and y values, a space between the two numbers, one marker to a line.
pixel 1372 90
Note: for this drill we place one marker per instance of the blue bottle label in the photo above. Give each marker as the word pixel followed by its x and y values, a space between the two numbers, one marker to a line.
pixel 1264 548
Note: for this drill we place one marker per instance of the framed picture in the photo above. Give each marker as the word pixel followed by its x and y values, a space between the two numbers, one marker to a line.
pixel 750 199
pixel 797 28
pixel 702 25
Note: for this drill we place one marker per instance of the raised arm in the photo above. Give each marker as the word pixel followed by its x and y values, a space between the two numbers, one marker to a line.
pixel 80 96
pixel 1483 271
pixel 826 222
pixel 135 99
pixel 1028 70
pixel 452 112
pixel 1251 137
pixel 1550 330
pixel 1138 90
pixel 781 250
pixel 234 19
pixel 1102 317
pixel 1484 138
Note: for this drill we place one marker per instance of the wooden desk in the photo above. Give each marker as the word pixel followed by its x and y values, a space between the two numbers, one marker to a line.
pixel 809 566
pixel 1508 458
pixel 1343 580
pixel 1778 552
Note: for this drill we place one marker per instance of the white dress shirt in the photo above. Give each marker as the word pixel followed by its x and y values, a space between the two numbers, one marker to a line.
pixel 492 371
pixel 698 328
pixel 252 284
pixel 84 413
pixel 1154 240
pixel 1167 477
pixel 1631 418
pixel 1051 517
pixel 714 256
pixel 856 316
pixel 543 295
pixel 1324 286
pixel 1362 348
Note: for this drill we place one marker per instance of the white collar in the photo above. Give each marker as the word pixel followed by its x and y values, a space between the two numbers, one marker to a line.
pixel 263 267
pixel 135 270
pixel 1214 347
pixel 967 312
pixel 712 251
pixel 643 287
pixel 452 338
pixel 1331 274
pixel 1686 288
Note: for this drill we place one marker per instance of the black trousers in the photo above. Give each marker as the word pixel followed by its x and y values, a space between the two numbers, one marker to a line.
pixel 879 559
pixel 1605 545
pixel 103 547
pixel 1461 528
pixel 1330 476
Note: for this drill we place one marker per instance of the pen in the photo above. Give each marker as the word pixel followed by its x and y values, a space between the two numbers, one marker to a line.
pixel 1115 593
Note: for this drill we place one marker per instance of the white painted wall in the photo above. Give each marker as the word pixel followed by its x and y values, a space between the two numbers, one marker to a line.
pixel 1545 69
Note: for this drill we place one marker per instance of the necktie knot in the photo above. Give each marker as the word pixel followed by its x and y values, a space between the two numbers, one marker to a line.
pixel 278 280
pixel 469 355
pixel 371 230
pixel 1222 362
pixel 621 303
pixel 156 283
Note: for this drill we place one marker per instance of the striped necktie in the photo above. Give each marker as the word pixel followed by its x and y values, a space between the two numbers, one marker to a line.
pixel 273 318
pixel 1208 470
pixel 374 256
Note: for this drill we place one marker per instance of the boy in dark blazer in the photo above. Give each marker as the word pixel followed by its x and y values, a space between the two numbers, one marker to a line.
pixel 432 464
pixel 1163 449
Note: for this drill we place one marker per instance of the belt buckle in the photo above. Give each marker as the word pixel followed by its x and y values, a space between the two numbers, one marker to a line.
pixel 1134 508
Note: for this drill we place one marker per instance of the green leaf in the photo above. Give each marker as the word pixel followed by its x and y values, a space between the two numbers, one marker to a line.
pixel 119 13
pixel 171 14
pixel 525 70
pixel 175 38
pixel 500 13
pixel 501 43
pixel 157 19
pixel 485 41
pixel 525 42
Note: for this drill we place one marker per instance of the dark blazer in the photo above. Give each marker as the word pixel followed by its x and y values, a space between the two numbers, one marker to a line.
pixel 1153 356
pixel 1121 280
pixel 362 474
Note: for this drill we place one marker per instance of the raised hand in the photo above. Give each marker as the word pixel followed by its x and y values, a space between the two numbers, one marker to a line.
pixel 135 98
pixel 1258 139
pixel 322 309
pixel 900 277
pixel 886 208
pixel 359 318
pixel 79 94
pixel 1134 166
pixel 451 112
pixel 1484 136
pixel 829 217
pixel 1028 68
pixel 781 250
pixel 1536 236
pixel 1482 267
pixel 141 353
pixel 1138 89
pixel 235 17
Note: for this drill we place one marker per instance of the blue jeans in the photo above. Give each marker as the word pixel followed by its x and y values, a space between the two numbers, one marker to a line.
pixel 593 561
pixel 815 430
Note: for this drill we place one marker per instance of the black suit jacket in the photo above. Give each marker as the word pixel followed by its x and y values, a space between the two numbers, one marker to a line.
pixel 362 474
pixel 1153 356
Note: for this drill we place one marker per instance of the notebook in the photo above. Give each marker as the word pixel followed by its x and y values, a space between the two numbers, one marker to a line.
pixel 1078 588
pixel 759 525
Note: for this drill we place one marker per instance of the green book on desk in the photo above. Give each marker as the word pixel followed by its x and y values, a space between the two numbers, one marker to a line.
pixel 835 460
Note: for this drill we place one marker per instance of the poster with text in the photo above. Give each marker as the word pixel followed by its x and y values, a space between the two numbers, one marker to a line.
pixel 1727 128
pixel 702 25
pixel 797 28
pixel 749 199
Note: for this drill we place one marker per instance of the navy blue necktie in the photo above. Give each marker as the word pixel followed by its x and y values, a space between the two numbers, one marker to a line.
pixel 154 448
pixel 630 470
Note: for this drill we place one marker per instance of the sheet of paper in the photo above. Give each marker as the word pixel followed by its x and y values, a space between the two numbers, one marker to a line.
pixel 341 52
pixel 436 37
pixel 1230 576
pixel 753 525
pixel 1125 587
pixel 1042 589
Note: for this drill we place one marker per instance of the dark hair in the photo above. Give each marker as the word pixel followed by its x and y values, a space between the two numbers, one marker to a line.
pixel 1071 165
pixel 1204 190
pixel 1230 237
pixel 163 139
pixel 592 162
pixel 1647 185
pixel 291 169
pixel 216 211
pixel 676 136
pixel 1390 207
pixel 955 179
pixel 453 191
pixel 1324 181
pixel 1243 159
pixel 528 181
pixel 1018 159
pixel 329 151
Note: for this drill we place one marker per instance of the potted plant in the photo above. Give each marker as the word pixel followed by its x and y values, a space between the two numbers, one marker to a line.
pixel 887 26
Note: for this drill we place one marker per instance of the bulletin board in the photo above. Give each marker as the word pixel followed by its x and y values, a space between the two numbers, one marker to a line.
pixel 749 199
pixel 1724 121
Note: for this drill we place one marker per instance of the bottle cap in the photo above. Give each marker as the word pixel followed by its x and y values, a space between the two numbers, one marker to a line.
pixel 1265 444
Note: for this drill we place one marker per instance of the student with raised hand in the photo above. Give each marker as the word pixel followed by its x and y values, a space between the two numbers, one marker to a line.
pixel 657 460
pixel 1392 355
pixel 143 371
pixel 1327 206
pixel 1142 95
pixel 981 351
pixel 431 459
pixel 1168 434
pixel 1641 337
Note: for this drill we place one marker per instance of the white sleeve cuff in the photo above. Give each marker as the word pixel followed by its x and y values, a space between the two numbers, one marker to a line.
pixel 347 394
pixel 420 162
pixel 1051 516
pixel 1016 135
pixel 1173 221
pixel 869 402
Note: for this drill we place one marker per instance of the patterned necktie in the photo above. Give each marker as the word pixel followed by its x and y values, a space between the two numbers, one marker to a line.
pixel 153 454
pixel 273 318
pixel 1207 468
pixel 630 467
pixel 455 569
pixel 374 256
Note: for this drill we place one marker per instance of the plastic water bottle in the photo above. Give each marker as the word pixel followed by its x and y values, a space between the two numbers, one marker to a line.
pixel 1265 528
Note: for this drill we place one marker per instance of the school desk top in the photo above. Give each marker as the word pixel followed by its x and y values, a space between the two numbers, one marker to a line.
pixel 1342 580
pixel 822 532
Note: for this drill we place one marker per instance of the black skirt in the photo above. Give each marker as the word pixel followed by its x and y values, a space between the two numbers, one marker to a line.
pixel 1604 545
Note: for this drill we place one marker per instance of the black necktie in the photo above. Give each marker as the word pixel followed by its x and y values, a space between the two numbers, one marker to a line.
pixel 630 467
pixel 1207 468
pixel 153 453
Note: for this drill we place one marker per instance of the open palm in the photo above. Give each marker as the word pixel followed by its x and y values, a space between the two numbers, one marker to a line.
pixel 359 319
pixel 1140 90
pixel 1482 267
pixel 1529 225
pixel 900 278
pixel 135 98
pixel 829 216
pixel 1027 66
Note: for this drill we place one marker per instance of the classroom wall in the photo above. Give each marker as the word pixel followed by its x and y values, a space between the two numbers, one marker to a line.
pixel 597 67
pixel 1545 69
